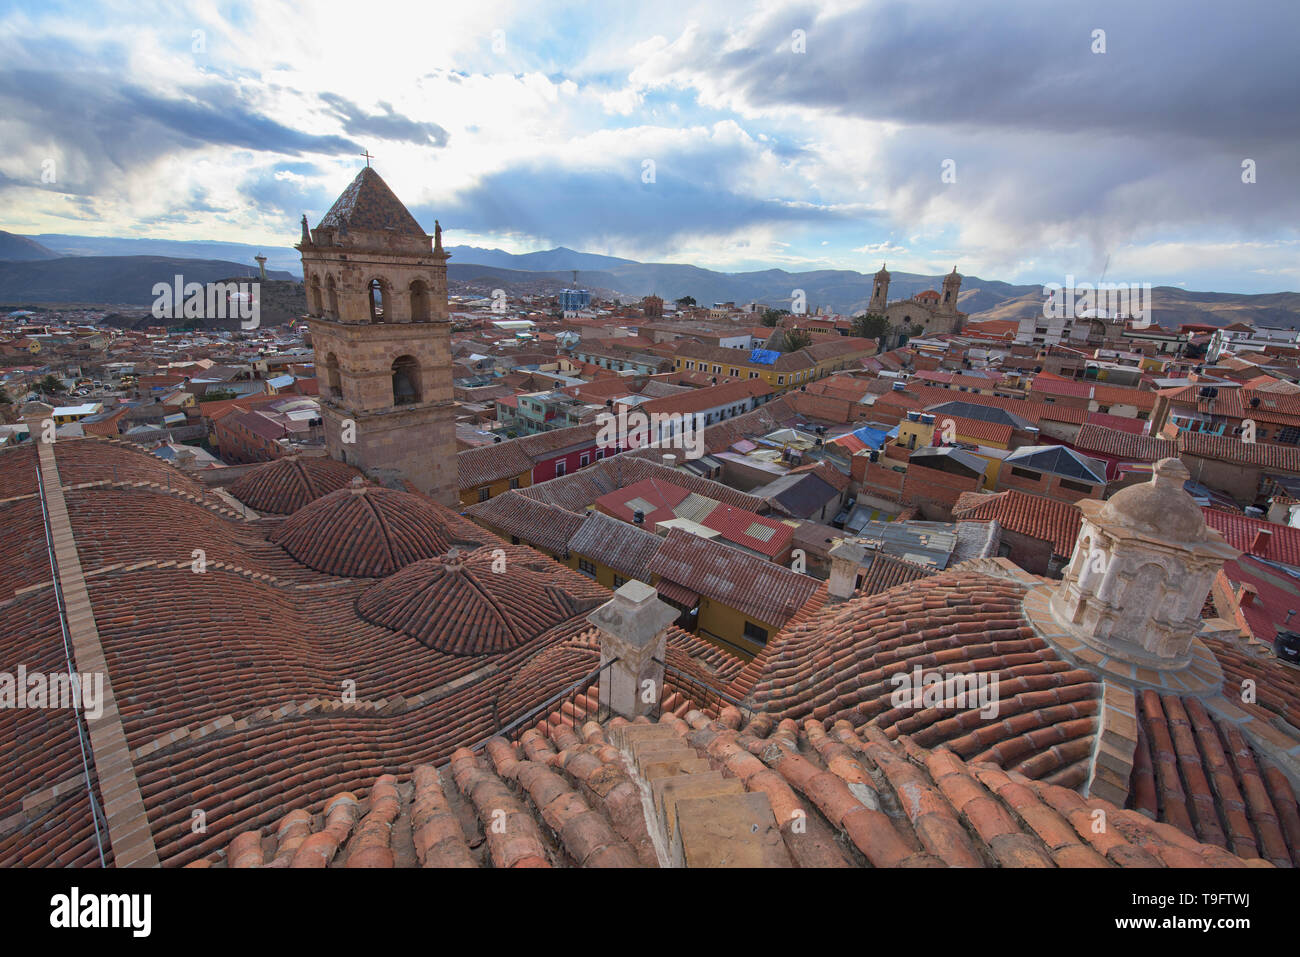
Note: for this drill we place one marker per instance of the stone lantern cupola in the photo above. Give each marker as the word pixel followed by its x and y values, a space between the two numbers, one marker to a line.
pixel 1142 567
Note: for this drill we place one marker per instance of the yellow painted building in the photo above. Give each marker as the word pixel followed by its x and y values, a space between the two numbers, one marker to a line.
pixel 790 369
pixel 481 493
pixel 731 629
pixel 973 435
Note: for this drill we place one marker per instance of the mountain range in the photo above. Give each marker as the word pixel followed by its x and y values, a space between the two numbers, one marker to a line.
pixel 54 267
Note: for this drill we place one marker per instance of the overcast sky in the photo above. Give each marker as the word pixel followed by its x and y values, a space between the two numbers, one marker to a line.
pixel 746 136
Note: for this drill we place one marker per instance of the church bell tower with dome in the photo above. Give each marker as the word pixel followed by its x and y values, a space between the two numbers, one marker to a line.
pixel 377 310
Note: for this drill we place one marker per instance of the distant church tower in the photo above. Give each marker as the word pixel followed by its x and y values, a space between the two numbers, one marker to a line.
pixel 951 286
pixel 377 309
pixel 879 293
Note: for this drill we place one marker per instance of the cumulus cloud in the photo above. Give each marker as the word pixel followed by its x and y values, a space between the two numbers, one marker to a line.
pixel 1057 157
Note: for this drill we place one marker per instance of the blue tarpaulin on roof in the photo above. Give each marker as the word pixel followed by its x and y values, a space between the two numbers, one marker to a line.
pixel 873 438
pixel 764 356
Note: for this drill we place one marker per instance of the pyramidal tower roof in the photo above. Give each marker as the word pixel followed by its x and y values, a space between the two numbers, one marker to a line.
pixel 369 204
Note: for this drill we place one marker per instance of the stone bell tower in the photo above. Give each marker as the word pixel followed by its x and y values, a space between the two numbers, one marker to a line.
pixel 377 310
pixel 951 287
pixel 879 292
pixel 1143 564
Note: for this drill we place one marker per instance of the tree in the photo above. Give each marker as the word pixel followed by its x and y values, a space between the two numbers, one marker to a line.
pixel 796 339
pixel 871 325
pixel 50 384
pixel 685 301
pixel 772 316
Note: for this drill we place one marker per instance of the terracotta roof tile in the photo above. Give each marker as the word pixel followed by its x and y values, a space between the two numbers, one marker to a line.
pixel 287 484
pixel 1281 458
pixel 771 593
pixel 365 531
pixel 1125 445
pixel 490 600
pixel 1032 515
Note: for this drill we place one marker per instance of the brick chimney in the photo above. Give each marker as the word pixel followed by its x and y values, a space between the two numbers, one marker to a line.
pixel 633 628
pixel 1263 538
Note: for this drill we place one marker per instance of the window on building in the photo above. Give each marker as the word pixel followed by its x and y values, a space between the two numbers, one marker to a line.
pixel 619 581
pixel 484 494
pixel 780 380
pixel 560 468
pixel 1025 473
pixel 1075 486
pixel 584 460
pixel 586 567
pixel 514 482
pixel 600 454
pixel 755 633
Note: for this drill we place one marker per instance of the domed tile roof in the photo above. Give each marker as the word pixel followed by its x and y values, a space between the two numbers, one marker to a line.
pixel 846 662
pixel 488 601
pixel 364 531
pixel 286 485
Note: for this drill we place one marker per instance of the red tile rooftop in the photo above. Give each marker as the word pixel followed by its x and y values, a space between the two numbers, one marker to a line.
pixel 832 797
pixel 1032 515
pixel 293 769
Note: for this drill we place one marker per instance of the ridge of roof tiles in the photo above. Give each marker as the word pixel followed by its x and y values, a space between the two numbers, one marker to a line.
pixel 1223 448
pixel 571 798
pixel 287 484
pixel 365 531
pixel 1125 445
pixel 486 601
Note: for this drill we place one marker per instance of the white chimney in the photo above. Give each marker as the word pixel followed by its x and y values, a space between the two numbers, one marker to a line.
pixel 846 559
pixel 670 460
pixel 633 629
